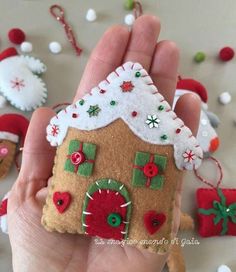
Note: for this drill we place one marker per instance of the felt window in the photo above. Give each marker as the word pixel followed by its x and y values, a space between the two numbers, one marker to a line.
pixel 148 170
pixel 81 158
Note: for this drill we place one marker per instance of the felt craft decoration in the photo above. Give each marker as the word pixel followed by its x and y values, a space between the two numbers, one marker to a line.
pixel 3 214
pixel 226 54
pixel 207 135
pixel 216 211
pixel 13 128
pixel 120 155
pixel 20 83
pixel 16 35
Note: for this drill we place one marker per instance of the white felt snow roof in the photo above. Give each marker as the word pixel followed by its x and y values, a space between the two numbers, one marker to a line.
pixel 134 98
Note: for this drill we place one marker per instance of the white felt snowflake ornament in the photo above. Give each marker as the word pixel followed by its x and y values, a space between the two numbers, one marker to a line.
pixel 19 80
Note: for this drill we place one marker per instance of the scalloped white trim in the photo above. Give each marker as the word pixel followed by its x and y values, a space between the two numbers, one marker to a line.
pixel 4 135
pixel 144 99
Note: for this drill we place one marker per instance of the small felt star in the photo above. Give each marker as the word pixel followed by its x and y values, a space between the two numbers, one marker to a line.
pixel 189 156
pixel 55 130
pixel 127 86
pixel 17 84
pixel 153 121
pixel 93 110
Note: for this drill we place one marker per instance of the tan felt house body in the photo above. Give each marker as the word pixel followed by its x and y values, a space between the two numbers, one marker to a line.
pixel 111 179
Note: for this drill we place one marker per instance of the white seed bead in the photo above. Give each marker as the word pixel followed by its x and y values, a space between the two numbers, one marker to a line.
pixel 223 268
pixel 225 98
pixel 91 15
pixel 26 47
pixel 129 19
pixel 55 47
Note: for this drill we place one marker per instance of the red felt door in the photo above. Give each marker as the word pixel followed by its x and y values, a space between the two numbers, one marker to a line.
pixel 106 215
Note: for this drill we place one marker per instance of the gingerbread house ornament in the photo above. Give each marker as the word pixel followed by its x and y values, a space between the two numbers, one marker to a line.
pixel 120 155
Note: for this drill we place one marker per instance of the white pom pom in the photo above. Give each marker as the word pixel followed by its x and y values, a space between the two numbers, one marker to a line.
pixel 26 47
pixel 223 268
pixel 3 101
pixel 91 15
pixel 129 19
pixel 225 98
pixel 55 47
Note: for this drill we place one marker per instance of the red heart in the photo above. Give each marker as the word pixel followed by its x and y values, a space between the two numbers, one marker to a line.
pixel 61 201
pixel 3 207
pixel 153 221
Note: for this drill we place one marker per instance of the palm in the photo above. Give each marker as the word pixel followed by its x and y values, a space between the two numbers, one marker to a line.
pixel 42 250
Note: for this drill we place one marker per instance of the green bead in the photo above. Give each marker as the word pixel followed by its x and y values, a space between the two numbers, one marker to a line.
pixel 81 102
pixel 161 108
pixel 129 4
pixel 199 57
pixel 113 103
pixel 137 74
pixel 164 137
pixel 114 219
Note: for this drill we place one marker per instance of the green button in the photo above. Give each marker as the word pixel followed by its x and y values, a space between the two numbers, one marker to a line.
pixel 114 219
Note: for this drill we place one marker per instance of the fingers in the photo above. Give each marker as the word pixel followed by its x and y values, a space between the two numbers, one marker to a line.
pixel 164 69
pixel 188 108
pixel 38 155
pixel 107 55
pixel 143 40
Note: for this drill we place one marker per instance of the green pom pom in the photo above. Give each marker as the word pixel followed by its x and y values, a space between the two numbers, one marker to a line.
pixel 199 57
pixel 129 4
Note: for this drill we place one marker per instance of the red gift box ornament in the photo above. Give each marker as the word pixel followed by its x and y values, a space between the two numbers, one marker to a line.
pixel 216 207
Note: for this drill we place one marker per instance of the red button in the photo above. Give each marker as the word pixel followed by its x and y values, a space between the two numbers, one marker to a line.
pixel 77 157
pixel 150 170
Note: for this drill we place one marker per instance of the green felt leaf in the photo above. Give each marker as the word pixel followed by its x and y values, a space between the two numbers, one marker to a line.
pixel 138 178
pixel 157 182
pixel 160 161
pixel 85 169
pixel 89 150
pixel 141 158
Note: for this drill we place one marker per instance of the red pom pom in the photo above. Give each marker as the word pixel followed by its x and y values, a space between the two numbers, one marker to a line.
pixel 226 54
pixel 16 36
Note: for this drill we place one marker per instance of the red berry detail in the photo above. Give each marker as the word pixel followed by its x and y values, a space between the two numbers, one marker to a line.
pixel 150 170
pixel 75 115
pixel 16 36
pixel 226 54
pixel 178 130
pixel 134 113
pixel 102 91
pixel 77 158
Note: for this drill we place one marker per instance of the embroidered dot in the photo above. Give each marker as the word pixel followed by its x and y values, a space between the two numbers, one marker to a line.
pixel 81 102
pixel 102 91
pixel 75 115
pixel 178 130
pixel 93 110
pixel 134 113
pixel 137 74
pixel 113 103
pixel 164 137
pixel 161 108
pixel 59 202
pixel 114 219
pixel 127 86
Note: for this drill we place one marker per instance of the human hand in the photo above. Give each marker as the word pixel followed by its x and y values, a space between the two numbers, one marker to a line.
pixel 35 249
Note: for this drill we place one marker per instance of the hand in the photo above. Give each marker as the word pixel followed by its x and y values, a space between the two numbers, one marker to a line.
pixel 35 249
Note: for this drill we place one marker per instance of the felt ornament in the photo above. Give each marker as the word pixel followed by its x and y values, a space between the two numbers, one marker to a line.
pixel 175 261
pixel 120 155
pixel 216 208
pixel 13 128
pixel 3 214
pixel 19 80
pixel 207 135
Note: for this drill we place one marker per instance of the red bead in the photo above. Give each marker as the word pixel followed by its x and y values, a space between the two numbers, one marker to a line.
pixel 77 158
pixel 134 113
pixel 16 36
pixel 178 130
pixel 102 91
pixel 74 115
pixel 226 54
pixel 150 170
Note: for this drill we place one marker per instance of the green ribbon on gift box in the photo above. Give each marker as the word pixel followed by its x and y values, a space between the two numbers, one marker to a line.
pixel 221 212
